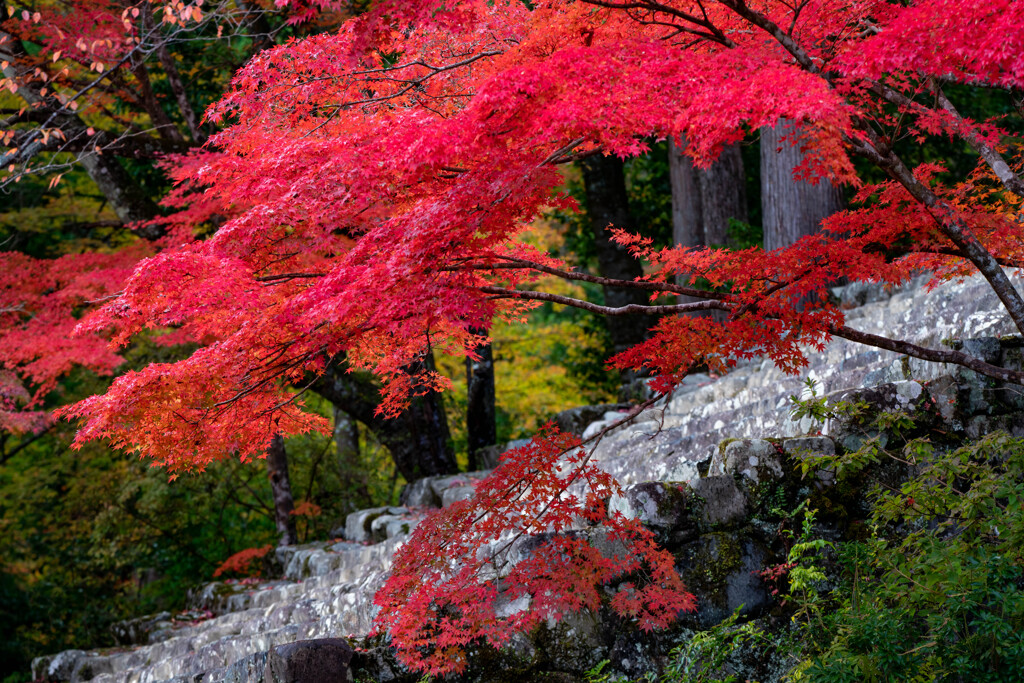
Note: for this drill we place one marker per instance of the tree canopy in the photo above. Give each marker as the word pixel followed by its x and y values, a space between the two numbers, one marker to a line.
pixel 369 188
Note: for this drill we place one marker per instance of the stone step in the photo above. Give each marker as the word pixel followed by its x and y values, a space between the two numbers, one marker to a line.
pixel 328 605
pixel 671 441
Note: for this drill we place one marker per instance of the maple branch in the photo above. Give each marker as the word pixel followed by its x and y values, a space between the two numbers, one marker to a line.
pixel 1010 180
pixel 949 251
pixel 711 31
pixel 606 281
pixel 519 483
pixel 925 353
pixel 946 217
pixel 784 39
pixel 629 309
pixel 275 279
pixel 555 156
pixel 413 83
pixel 137 146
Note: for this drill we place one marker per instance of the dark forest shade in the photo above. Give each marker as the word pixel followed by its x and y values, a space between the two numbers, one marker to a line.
pixel 481 424
pixel 418 439
pixel 280 485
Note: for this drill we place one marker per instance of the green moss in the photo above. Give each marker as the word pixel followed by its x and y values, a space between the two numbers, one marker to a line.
pixel 718 556
pixel 724 443
pixel 676 496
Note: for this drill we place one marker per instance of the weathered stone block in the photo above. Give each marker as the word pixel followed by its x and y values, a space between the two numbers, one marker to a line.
pixel 755 460
pixel 136 631
pixel 720 568
pixel 247 670
pixel 359 525
pixel 664 507
pixel 721 503
pixel 310 661
pixel 980 425
pixel 805 447
pixel 576 420
pixel 454 494
pixel 389 526
pixel 419 494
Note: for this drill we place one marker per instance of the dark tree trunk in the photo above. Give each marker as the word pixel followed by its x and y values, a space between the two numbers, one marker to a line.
pixel 604 181
pixel 723 196
pixel 481 428
pixel 703 201
pixel 351 471
pixel 790 208
pixel 687 208
pixel 281 487
pixel 417 439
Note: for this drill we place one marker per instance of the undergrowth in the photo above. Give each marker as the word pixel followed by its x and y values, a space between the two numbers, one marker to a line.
pixel 932 590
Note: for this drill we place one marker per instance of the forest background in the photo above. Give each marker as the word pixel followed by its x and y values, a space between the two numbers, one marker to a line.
pixel 93 536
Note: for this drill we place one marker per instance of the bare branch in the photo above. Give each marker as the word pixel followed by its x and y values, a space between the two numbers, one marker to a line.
pixel 924 353
pixel 947 218
pixel 629 309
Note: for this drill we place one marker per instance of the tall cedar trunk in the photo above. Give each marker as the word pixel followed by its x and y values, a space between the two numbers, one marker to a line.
pixel 417 439
pixel 703 201
pixel 481 428
pixel 281 487
pixel 604 181
pixel 790 208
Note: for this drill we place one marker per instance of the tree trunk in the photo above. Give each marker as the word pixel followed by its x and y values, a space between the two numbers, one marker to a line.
pixel 481 428
pixel 703 201
pixel 281 487
pixel 790 208
pixel 604 182
pixel 352 473
pixel 346 436
pixel 417 439
pixel 687 209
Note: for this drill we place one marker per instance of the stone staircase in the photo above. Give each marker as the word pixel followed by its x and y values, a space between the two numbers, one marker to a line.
pixel 327 592
pixel 674 441
pixel 327 588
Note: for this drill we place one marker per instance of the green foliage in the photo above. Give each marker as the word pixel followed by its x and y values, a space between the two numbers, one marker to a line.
pixel 744 235
pixel 93 536
pixel 802 569
pixel 819 408
pixel 936 592
pixel 700 658
pixel 650 193
pixel 939 590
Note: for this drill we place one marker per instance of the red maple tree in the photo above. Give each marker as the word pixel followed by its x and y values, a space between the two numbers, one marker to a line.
pixel 371 184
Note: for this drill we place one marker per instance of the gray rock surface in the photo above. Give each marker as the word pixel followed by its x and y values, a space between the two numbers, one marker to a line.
pixel 755 460
pixel 672 443
pixel 326 660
